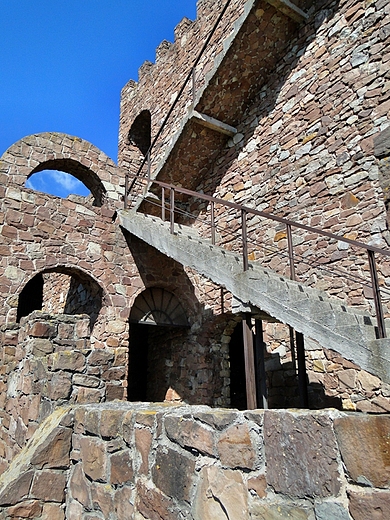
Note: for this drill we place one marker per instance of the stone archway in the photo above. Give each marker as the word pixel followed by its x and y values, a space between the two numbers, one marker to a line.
pixel 57 151
pixel 157 322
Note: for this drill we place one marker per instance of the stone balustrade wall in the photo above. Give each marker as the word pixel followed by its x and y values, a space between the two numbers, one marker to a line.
pixel 48 362
pixel 123 461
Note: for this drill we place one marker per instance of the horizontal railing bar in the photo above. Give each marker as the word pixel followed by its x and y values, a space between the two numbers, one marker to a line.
pixel 268 216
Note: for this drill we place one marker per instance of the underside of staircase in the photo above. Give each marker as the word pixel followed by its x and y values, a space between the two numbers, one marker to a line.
pixel 243 62
pixel 309 311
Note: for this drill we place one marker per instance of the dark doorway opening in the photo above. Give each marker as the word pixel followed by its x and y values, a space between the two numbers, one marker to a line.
pixel 138 363
pixel 31 297
pixel 158 327
pixel 237 369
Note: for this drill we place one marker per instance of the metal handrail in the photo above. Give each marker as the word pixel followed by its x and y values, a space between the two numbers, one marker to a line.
pixel 245 210
pixel 190 76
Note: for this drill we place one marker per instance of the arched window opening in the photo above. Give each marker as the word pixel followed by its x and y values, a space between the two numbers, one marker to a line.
pixel 55 182
pixel 62 291
pixel 140 132
pixel 158 306
pixel 158 322
pixel 63 177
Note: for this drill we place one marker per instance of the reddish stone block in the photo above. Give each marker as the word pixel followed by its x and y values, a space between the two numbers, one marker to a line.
pixel 190 434
pixel 102 498
pixel 173 473
pixel 220 493
pixel 28 509
pixel 152 504
pixel 94 458
pixel 49 486
pixel 121 467
pixel 143 442
pixel 235 447
pixel 301 454
pixel 111 423
pixel 53 512
pixel 43 330
pixel 17 490
pixel 54 451
pixel 114 392
pixel 369 504
pixel 123 503
pixel 79 487
pixel 364 446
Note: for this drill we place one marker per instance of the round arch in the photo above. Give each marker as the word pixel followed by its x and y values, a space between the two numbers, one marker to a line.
pixel 140 131
pixel 61 290
pixel 57 151
pixel 158 306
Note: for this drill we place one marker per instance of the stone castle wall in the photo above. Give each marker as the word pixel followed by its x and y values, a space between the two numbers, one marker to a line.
pixel 124 461
pixel 305 144
pixel 305 149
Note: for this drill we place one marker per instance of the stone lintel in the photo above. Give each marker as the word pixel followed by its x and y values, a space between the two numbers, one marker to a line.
pixel 289 9
pixel 214 124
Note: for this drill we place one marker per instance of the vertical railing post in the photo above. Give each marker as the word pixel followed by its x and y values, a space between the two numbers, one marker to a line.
pixel 126 191
pixel 244 240
pixel 163 204
pixel 212 222
pixel 172 209
pixel 249 356
pixel 290 252
pixel 261 381
pixel 149 165
pixel 377 295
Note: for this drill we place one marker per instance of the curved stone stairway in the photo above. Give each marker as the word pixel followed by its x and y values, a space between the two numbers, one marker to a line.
pixel 309 311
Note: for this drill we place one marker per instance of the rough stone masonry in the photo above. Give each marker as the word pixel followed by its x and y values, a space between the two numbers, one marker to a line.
pixel 92 316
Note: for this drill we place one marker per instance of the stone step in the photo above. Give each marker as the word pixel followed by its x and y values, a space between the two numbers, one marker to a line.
pixel 309 311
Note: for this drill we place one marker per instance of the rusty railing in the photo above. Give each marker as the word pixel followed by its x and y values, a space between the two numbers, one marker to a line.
pixel 168 189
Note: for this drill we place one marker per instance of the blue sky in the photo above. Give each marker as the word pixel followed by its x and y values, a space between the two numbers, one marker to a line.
pixel 63 64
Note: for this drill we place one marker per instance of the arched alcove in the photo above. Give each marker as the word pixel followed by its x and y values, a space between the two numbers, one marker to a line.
pixel 62 290
pixel 31 297
pixel 140 132
pixel 157 321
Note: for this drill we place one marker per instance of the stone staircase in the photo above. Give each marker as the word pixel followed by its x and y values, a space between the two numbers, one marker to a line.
pixel 309 311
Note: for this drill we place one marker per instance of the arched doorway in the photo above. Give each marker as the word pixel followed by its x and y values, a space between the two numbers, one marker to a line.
pixel 157 324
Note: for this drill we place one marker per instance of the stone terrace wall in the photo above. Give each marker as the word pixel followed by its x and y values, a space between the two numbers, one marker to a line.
pixel 46 363
pixel 164 462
